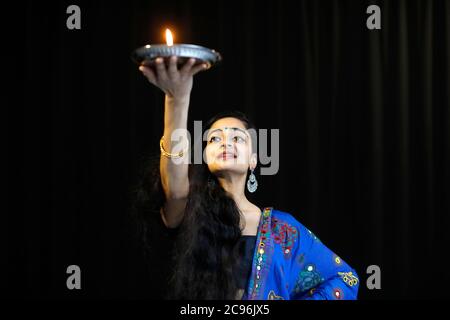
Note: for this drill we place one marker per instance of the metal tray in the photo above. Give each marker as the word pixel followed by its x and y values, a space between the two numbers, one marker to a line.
pixel 146 55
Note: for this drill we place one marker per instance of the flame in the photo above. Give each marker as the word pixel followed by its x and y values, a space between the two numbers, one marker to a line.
pixel 169 38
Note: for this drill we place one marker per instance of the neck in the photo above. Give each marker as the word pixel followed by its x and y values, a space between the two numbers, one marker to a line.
pixel 235 186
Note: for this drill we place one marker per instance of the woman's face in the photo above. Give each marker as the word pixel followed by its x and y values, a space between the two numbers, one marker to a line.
pixel 229 147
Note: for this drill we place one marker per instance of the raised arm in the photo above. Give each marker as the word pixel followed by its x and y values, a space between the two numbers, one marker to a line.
pixel 177 85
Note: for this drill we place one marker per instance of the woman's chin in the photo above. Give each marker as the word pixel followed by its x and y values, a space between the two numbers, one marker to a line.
pixel 228 166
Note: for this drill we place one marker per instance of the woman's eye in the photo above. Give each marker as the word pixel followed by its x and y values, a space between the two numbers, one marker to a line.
pixel 239 139
pixel 214 139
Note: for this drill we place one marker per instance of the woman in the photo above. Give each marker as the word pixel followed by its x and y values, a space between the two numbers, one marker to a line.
pixel 228 247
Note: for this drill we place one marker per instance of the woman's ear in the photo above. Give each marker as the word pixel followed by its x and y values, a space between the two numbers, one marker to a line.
pixel 253 161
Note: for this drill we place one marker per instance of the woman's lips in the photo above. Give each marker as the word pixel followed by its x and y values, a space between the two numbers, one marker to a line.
pixel 227 155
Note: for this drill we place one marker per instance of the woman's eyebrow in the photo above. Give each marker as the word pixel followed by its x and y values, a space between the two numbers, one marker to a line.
pixel 234 128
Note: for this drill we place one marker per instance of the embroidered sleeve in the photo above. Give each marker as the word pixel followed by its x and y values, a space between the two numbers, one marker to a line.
pixel 319 274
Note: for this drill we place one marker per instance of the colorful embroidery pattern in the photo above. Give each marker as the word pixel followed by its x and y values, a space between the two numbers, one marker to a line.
pixel 349 278
pixel 338 294
pixel 337 260
pixel 308 278
pixel 311 272
pixel 285 235
pixel 263 255
pixel 273 296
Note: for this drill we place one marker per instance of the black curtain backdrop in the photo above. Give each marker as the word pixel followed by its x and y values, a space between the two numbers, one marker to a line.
pixel 364 120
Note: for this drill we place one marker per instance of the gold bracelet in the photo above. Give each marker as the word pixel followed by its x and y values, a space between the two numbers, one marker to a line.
pixel 167 154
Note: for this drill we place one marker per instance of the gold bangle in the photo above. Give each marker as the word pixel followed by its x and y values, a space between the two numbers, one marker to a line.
pixel 167 154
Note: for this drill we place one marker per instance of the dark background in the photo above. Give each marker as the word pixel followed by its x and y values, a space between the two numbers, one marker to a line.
pixel 364 134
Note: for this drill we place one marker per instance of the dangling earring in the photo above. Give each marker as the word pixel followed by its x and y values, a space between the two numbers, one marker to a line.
pixel 252 184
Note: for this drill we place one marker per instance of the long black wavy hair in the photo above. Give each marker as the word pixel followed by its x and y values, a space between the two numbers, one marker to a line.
pixel 205 252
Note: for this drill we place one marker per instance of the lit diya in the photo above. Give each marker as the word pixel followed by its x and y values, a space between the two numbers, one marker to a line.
pixel 147 55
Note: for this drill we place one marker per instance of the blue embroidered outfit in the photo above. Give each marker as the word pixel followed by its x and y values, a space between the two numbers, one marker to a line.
pixel 290 263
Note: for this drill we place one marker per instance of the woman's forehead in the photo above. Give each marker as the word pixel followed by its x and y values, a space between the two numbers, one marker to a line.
pixel 228 122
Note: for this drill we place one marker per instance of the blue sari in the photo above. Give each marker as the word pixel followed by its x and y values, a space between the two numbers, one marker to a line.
pixel 290 263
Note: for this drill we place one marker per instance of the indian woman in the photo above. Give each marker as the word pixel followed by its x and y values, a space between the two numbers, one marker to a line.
pixel 227 246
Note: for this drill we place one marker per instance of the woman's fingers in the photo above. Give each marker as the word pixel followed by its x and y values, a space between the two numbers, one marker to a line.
pixel 173 70
pixel 171 79
pixel 199 68
pixel 148 73
pixel 161 69
pixel 187 66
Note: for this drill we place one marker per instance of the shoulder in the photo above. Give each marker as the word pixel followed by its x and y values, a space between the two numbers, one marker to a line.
pixel 293 222
pixel 294 226
pixel 286 217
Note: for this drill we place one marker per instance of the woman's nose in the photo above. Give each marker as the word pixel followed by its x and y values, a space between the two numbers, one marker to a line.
pixel 227 142
pixel 227 145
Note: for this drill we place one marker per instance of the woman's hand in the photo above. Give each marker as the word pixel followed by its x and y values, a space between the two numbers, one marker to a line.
pixel 176 83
